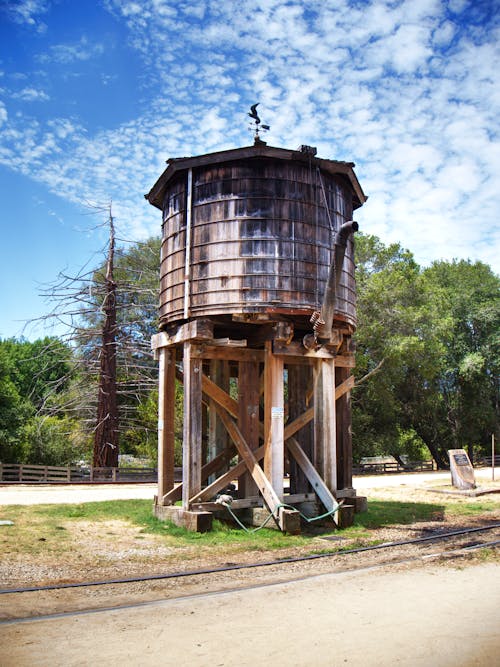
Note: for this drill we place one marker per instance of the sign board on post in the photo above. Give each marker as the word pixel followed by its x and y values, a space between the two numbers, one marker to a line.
pixel 462 472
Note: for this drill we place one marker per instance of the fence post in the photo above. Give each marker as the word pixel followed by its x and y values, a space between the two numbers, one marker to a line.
pixel 114 474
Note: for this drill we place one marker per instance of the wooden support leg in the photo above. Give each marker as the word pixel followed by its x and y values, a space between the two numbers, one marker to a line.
pixel 248 418
pixel 324 422
pixel 299 378
pixel 192 434
pixel 344 434
pixel 217 435
pixel 274 417
pixel 166 414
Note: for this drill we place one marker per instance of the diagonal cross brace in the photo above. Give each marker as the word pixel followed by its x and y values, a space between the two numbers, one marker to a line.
pixel 227 406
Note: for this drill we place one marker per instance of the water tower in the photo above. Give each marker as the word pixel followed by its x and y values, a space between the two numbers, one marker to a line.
pixel 257 313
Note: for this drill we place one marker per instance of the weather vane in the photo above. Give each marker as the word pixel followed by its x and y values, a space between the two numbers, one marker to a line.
pixel 256 125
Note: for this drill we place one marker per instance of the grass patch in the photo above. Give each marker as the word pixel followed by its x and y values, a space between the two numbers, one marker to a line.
pixel 46 529
pixel 466 508
pixel 382 513
pixel 488 555
pixel 38 528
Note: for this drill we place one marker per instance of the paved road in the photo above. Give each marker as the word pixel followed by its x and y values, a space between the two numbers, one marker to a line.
pixel 24 494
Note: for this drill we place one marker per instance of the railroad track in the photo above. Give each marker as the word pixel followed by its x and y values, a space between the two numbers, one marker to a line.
pixel 457 542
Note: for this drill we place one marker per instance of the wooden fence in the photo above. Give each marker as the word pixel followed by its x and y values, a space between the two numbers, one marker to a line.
pixel 21 472
pixel 486 460
pixel 380 468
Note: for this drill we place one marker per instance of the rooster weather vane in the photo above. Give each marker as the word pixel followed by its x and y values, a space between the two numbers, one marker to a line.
pixel 256 124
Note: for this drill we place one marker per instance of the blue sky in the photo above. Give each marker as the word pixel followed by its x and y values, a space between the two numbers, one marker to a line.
pixel 96 95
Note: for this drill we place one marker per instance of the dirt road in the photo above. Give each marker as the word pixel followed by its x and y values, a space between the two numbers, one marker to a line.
pixel 419 613
pixel 24 494
pixel 434 616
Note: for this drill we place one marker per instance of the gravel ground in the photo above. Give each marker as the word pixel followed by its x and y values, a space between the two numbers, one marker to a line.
pixel 401 606
pixel 115 549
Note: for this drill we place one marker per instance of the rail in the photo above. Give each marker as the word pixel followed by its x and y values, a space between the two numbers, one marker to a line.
pixel 228 567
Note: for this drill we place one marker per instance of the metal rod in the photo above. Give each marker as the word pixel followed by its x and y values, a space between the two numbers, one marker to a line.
pixel 187 266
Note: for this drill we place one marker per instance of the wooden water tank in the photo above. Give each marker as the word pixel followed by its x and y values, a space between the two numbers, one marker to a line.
pixel 250 231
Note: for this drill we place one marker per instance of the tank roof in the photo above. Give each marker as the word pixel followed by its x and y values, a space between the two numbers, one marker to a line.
pixel 259 149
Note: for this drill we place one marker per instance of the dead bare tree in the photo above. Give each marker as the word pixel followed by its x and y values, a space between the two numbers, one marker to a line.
pixel 106 431
pixel 108 314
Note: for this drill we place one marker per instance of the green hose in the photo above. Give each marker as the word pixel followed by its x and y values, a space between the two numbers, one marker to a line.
pixel 276 510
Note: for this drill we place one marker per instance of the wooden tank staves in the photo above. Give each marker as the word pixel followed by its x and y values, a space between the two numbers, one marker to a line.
pixel 251 230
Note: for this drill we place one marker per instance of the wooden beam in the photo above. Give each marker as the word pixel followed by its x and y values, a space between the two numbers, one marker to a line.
pixel 320 488
pixel 213 391
pixel 325 459
pixel 345 386
pixel 299 383
pixel 296 353
pixel 292 427
pixel 219 395
pixel 252 501
pixel 231 405
pixel 197 330
pixel 208 469
pixel 248 417
pixel 221 482
pixel 274 418
pixel 218 439
pixel 230 353
pixel 343 428
pixel 200 522
pixel 166 428
pixel 172 496
pixel 192 434
pixel 265 488
pixel 302 420
pixel 296 349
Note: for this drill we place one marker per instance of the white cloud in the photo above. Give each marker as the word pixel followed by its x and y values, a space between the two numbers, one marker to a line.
pixel 30 95
pixel 457 6
pixel 3 114
pixel 26 12
pixel 401 88
pixel 68 53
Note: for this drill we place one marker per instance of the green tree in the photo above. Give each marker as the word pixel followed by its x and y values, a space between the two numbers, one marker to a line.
pixel 34 375
pixel 40 368
pixel 400 348
pixel 470 381
pixel 13 412
pixel 428 354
